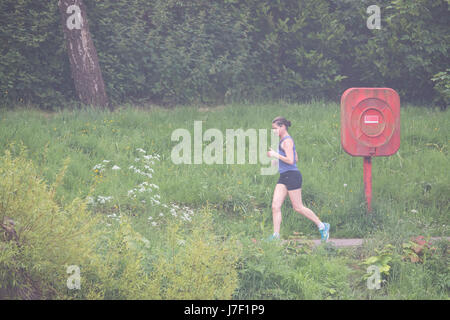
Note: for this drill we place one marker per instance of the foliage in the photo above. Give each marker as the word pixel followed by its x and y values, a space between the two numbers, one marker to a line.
pixel 428 279
pixel 417 250
pixel 210 52
pixel 122 273
pixel 321 276
pixel 382 261
pixel 196 265
pixel 437 265
pixel 442 86
pixel 34 67
pixel 261 274
pixel 408 50
pixel 123 259
pixel 39 240
pixel 47 237
pixel 304 274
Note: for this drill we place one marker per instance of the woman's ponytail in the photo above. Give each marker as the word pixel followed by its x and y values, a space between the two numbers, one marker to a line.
pixel 282 121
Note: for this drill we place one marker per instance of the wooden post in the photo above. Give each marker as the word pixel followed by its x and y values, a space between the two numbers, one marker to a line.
pixel 83 57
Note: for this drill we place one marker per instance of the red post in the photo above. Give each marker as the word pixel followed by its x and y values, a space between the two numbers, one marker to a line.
pixel 367 167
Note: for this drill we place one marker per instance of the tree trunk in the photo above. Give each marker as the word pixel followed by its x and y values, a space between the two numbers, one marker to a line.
pixel 83 57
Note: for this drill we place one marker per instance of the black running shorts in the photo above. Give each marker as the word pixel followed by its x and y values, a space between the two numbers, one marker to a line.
pixel 292 179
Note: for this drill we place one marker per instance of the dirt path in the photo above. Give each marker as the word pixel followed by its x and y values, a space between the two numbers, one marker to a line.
pixel 343 243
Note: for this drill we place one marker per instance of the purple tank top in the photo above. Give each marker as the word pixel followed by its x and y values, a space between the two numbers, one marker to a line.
pixel 283 166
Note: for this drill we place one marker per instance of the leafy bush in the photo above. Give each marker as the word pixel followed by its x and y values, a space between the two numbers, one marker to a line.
pixel 40 238
pixel 442 86
pixel 34 66
pixel 171 51
pixel 121 273
pixel 196 265
pixel 408 50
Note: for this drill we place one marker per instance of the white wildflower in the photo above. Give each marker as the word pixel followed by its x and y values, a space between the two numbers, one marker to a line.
pixel 116 167
pixel 102 199
pixel 186 218
pixel 146 242
pixel 90 200
pixel 154 201
pixel 99 167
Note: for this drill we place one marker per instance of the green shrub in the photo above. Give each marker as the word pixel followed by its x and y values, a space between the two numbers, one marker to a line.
pixel 196 265
pixel 40 238
pixel 34 67
pixel 180 52
pixel 442 87
pixel 121 272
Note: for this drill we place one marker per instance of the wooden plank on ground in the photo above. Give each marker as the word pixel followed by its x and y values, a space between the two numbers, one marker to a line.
pixel 344 243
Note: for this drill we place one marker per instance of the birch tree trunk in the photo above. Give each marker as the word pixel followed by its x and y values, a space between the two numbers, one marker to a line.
pixel 83 57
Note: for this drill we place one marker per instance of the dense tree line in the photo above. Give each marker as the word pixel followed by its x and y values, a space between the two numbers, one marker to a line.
pixel 203 51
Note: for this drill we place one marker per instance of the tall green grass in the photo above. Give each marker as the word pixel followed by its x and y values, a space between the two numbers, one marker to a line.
pixel 411 186
pixel 410 189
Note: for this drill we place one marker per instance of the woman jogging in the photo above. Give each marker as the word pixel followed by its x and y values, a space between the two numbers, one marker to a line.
pixel 290 181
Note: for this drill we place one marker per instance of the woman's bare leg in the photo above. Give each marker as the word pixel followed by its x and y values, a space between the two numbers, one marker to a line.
pixel 279 195
pixel 297 204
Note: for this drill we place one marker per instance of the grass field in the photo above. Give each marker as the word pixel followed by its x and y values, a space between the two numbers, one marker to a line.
pixel 120 163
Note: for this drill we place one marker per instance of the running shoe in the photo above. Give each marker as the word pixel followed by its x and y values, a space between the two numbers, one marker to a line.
pixel 325 233
pixel 273 238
